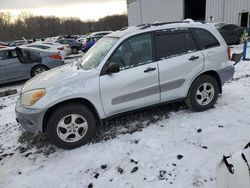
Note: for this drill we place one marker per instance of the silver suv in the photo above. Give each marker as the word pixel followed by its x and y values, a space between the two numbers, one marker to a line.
pixel 126 70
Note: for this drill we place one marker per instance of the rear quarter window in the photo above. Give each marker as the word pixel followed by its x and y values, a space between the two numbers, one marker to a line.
pixel 204 38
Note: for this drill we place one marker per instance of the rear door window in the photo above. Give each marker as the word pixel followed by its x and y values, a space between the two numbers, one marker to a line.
pixel 171 43
pixel 204 38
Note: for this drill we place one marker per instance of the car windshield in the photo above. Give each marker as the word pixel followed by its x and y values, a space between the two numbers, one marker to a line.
pixel 96 54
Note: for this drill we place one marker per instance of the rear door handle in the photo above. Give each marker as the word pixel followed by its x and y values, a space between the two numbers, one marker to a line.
pixel 193 58
pixel 149 69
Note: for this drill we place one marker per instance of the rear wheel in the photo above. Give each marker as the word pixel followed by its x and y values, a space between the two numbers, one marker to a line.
pixel 203 93
pixel 38 70
pixel 71 126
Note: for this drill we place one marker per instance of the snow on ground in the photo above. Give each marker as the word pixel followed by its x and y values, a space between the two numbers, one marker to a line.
pixel 181 150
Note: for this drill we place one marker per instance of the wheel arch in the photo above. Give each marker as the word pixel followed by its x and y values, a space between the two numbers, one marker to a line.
pixel 82 101
pixel 38 65
pixel 212 73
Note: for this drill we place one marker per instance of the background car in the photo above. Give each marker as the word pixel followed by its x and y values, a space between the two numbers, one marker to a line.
pixel 12 68
pixel 50 47
pixel 17 43
pixel 92 38
pixel 232 34
pixel 70 43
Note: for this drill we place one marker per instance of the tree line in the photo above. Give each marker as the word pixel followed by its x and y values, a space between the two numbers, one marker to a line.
pixel 30 26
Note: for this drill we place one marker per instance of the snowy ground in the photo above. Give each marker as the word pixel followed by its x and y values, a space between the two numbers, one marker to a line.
pixel 170 146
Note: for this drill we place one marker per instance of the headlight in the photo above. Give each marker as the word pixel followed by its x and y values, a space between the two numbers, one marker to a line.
pixel 31 97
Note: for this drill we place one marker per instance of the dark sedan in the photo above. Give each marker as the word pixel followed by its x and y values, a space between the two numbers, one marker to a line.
pixel 232 34
pixel 73 44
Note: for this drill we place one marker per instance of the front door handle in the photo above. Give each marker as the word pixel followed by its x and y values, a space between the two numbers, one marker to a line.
pixel 149 69
pixel 193 58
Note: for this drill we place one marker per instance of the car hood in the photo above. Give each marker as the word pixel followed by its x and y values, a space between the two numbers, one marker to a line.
pixel 63 75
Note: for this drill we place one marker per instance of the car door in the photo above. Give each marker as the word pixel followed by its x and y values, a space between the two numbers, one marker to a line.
pixel 136 85
pixel 15 69
pixel 178 60
pixel 3 61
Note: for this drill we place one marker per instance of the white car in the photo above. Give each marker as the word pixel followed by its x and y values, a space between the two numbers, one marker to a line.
pixel 126 70
pixel 50 47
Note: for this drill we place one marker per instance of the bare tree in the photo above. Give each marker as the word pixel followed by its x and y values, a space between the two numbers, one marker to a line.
pixel 30 26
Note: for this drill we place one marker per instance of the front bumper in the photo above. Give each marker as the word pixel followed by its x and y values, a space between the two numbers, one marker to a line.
pixel 31 120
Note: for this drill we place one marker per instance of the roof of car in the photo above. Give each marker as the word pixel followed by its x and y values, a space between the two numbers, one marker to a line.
pixel 156 26
pixel 99 33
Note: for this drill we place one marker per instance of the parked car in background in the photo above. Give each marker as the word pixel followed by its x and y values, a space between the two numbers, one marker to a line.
pixel 92 38
pixel 126 70
pixel 232 34
pixel 70 43
pixel 66 47
pixel 12 67
pixel 50 47
pixel 17 43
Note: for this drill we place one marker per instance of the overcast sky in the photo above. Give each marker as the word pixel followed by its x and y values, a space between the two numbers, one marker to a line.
pixel 84 9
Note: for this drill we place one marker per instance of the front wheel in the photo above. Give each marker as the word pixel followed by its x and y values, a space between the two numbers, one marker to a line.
pixel 203 93
pixel 71 126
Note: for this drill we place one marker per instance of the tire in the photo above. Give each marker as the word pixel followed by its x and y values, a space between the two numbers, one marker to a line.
pixel 38 70
pixel 203 93
pixel 74 50
pixel 71 126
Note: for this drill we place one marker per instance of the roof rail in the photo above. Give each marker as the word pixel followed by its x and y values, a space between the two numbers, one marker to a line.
pixel 148 25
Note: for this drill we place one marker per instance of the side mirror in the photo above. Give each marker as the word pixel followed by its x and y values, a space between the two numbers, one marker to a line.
pixel 113 68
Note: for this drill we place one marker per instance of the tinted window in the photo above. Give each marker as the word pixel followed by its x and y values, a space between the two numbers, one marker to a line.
pixel 39 46
pixel 134 52
pixel 230 27
pixel 63 42
pixel 173 43
pixel 12 54
pixel 205 39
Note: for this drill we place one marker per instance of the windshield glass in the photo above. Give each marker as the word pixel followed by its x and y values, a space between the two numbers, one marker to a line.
pixel 96 54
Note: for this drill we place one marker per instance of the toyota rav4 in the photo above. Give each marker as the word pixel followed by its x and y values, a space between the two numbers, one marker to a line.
pixel 126 70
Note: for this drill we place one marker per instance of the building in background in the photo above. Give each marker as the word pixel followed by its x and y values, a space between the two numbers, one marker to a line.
pixel 149 11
